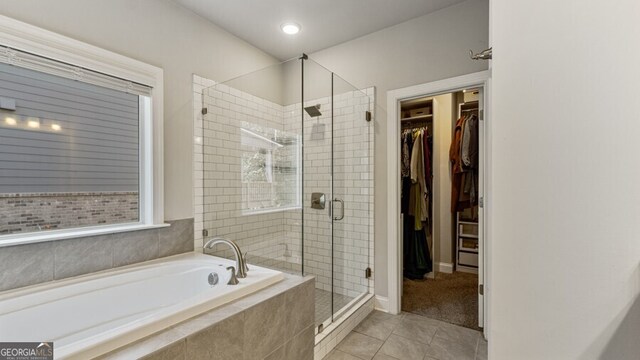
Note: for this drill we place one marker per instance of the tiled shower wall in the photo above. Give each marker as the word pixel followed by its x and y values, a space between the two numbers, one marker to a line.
pixel 274 239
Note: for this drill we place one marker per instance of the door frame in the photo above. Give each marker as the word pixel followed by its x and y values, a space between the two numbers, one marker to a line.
pixel 394 245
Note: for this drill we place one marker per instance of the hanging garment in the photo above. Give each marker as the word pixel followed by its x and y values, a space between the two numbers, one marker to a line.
pixel 414 206
pixel 456 164
pixel 406 179
pixel 427 160
pixel 417 257
pixel 465 142
pixel 474 150
pixel 418 177
pixel 406 156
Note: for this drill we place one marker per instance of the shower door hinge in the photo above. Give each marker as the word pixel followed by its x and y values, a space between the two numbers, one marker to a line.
pixel 367 115
pixel 205 232
pixel 204 111
pixel 481 289
pixel 367 273
pixel 481 114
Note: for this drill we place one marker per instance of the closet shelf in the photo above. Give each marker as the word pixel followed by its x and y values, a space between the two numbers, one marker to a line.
pixel 468 236
pixel 419 117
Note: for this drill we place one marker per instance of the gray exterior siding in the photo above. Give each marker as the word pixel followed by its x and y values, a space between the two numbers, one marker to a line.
pixel 96 150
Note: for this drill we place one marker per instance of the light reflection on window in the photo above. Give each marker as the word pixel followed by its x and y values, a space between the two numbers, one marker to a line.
pixel 270 169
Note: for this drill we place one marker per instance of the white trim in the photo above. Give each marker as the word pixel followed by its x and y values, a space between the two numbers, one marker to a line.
pixel 393 169
pixel 29 238
pixel 22 36
pixel 381 303
pixel 446 268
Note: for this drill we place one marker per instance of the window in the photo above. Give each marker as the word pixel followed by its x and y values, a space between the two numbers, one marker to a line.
pixel 77 145
pixel 269 170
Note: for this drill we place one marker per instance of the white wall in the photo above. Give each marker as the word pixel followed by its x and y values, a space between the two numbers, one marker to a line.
pixel 162 34
pixel 428 48
pixel 566 201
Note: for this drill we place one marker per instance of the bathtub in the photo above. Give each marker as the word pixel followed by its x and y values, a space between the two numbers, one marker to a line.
pixel 90 315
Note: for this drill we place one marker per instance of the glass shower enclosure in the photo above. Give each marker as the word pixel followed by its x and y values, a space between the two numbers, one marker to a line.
pixel 288 175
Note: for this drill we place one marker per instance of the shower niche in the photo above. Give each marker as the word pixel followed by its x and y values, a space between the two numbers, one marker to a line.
pixel 284 158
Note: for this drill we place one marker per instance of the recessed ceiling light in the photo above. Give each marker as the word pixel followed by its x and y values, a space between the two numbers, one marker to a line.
pixel 10 121
pixel 290 28
pixel 56 127
pixel 33 124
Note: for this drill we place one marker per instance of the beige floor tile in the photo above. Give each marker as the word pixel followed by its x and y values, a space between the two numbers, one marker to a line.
pixel 381 356
pixel 416 329
pixel 359 345
pixel 403 348
pixel 339 355
pixel 379 329
pixel 482 350
pixel 446 349
pixel 459 334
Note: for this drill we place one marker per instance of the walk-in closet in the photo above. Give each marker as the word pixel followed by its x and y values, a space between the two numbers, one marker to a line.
pixel 439 204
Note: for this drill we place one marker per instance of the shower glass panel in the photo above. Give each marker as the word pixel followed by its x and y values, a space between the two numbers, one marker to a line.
pixel 253 167
pixel 352 194
pixel 287 174
pixel 317 140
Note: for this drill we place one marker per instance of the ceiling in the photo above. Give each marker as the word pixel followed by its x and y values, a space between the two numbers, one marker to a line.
pixel 324 23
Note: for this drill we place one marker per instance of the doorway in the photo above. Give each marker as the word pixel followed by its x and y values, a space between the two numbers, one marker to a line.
pixel 452 287
pixel 440 166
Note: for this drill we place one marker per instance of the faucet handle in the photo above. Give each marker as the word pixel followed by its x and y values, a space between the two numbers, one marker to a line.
pixel 233 280
pixel 246 266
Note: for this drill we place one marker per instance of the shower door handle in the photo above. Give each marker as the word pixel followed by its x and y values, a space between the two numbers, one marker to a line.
pixel 341 209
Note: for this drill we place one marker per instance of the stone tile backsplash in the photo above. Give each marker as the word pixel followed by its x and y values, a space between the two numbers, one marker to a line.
pixel 33 212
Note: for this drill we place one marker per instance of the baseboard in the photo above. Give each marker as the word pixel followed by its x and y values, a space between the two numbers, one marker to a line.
pixel 446 268
pixel 381 303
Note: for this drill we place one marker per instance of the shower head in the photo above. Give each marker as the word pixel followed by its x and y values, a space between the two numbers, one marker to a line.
pixel 313 111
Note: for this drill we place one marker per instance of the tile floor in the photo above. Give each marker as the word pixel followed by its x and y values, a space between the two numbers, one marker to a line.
pixel 382 336
pixel 323 304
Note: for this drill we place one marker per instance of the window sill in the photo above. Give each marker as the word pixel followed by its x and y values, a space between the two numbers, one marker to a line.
pixel 30 238
pixel 269 211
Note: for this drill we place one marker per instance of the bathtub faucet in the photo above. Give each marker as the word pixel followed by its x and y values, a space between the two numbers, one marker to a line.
pixel 241 261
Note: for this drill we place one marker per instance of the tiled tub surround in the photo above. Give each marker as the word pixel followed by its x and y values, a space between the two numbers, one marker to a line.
pixel 167 291
pixel 50 211
pixel 30 264
pixel 275 323
pixel 274 239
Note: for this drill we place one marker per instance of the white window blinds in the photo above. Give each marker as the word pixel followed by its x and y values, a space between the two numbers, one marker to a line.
pixel 45 65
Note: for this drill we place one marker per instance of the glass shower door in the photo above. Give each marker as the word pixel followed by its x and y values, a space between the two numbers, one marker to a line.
pixel 352 198
pixel 316 111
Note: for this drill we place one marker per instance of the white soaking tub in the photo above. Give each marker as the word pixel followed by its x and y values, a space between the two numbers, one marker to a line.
pixel 94 314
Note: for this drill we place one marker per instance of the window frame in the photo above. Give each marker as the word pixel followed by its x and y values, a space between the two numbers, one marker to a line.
pixel 25 37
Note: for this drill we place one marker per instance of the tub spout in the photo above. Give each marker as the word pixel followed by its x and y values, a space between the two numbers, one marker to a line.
pixel 241 265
